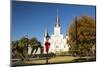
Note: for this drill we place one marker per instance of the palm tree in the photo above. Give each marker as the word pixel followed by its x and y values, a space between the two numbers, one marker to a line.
pixel 23 44
pixel 20 48
pixel 17 50
pixel 14 47
pixel 35 44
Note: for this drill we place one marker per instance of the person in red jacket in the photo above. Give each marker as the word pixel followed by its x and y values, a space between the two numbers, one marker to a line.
pixel 47 44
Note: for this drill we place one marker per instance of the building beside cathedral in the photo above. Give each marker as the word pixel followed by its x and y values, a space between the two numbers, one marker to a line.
pixel 57 40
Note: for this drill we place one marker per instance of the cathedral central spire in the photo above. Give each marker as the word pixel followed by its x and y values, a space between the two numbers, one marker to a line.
pixel 57 20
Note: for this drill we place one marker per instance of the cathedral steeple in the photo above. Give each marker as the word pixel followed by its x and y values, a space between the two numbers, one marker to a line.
pixel 57 20
pixel 57 25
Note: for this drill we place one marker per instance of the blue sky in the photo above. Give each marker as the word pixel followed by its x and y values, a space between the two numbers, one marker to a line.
pixel 32 18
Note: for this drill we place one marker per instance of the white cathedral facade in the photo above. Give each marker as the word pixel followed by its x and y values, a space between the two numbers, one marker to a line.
pixel 58 43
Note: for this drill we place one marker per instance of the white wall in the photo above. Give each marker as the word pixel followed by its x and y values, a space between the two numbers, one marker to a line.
pixel 5 33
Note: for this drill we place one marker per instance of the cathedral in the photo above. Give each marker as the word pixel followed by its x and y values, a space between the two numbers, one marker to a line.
pixel 57 40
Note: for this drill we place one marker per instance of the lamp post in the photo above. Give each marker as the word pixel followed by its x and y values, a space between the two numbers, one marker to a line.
pixel 47 45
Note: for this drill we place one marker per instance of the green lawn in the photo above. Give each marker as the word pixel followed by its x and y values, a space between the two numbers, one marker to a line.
pixel 62 59
pixel 58 59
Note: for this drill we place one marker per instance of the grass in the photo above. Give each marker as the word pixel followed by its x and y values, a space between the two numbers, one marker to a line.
pixel 62 59
pixel 58 59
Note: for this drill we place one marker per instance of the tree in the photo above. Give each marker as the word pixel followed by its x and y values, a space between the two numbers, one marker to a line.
pixel 23 45
pixel 24 42
pixel 82 35
pixel 20 48
pixel 14 45
pixel 17 50
pixel 35 44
